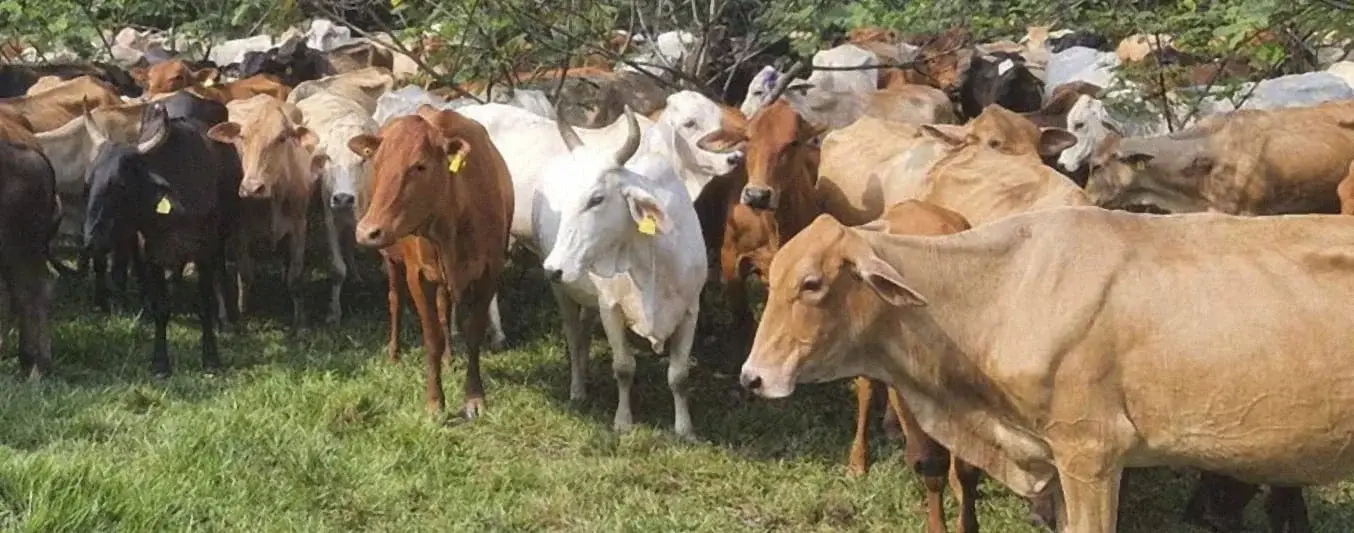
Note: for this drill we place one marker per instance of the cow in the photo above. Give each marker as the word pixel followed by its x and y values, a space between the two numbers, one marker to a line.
pixel 592 101
pixel 176 189
pixel 29 208
pixel 175 75
pixel 365 87
pixel 438 176
pixel 1247 162
pixel 841 294
pixel 999 78
pixel 56 106
pixel 620 235
pixel 1091 122
pixel 942 61
pixel 831 97
pixel 234 50
pixel 16 79
pixel 291 62
pixel 359 55
pixel 345 181
pixel 1140 46
pixel 280 170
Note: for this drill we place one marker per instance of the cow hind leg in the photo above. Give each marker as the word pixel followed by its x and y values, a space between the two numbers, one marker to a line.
pixel 622 366
pixel 1286 510
pixel 157 290
pixel 858 462
pixel 576 327
pixel 1218 503
pixel 207 284
pixel 30 291
pixel 244 281
pixel 474 328
pixel 679 368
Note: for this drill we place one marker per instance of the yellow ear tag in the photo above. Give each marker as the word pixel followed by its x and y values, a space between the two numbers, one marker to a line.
pixel 455 162
pixel 648 225
pixel 1139 165
pixel 163 207
pixel 210 82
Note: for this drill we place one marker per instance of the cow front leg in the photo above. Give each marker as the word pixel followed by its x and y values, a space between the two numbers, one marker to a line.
pixel 434 339
pixel 679 368
pixel 393 306
pixel 622 365
pixel 338 266
pixel 296 265
pixel 1286 510
pixel 858 462
pixel 933 462
pixel 576 327
pixel 1090 493
pixel 474 329
pixel 207 283
pixel 99 265
pixel 157 291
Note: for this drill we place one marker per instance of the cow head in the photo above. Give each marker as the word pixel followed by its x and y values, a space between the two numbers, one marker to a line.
pixel 173 75
pixel 123 191
pixel 414 159
pixel 275 153
pixel 761 86
pixel 778 142
pixel 601 204
pixel 1000 78
pixel 1091 124
pixel 827 289
pixel 1133 173
pixel 999 129
pixel 691 118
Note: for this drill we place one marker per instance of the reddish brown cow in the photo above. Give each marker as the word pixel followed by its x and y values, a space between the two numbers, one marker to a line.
pixel 437 175
pixel 175 75
pixel 415 259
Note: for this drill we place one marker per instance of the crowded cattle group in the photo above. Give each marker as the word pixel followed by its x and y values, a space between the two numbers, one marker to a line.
pixel 958 226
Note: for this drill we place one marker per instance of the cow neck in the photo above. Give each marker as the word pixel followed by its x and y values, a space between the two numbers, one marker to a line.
pixel 799 203
pixel 442 224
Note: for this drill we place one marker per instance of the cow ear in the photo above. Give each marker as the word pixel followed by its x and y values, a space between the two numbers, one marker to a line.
pixel 205 75
pixel 722 141
pixel 649 216
pixel 317 162
pixel 951 135
pixel 225 132
pixel 364 145
pixel 885 280
pixel 1052 141
pixel 308 138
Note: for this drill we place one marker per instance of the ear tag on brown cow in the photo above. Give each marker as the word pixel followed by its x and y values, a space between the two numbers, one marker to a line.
pixel 208 82
pixel 455 162
pixel 648 225
pixel 164 206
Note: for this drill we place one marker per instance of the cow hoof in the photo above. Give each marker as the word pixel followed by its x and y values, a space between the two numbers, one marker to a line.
pixel 498 344
pixel 856 471
pixel 623 427
pixel 332 320
pixel 474 408
pixel 162 373
pixel 688 437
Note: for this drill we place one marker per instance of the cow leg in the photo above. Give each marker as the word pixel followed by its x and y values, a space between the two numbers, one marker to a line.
pixel 296 265
pixel 156 290
pixel 967 477
pixel 576 327
pixel 1218 503
pixel 622 365
pixel 859 461
pixel 100 268
pixel 932 462
pixel 244 280
pixel 473 329
pixel 118 272
pixel 499 340
pixel 1286 510
pixel 1090 492
pixel 393 302
pixel 30 292
pixel 679 368
pixel 445 313
pixel 338 266
pixel 207 284
pixel 434 340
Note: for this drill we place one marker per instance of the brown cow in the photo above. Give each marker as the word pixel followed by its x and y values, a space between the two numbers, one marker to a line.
pixel 53 108
pixel 280 175
pixel 174 75
pixel 44 83
pixel 29 211
pixel 415 259
pixel 441 178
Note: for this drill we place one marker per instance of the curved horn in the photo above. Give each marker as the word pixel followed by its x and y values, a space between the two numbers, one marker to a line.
pixel 159 131
pixel 631 140
pixel 91 128
pixel 566 131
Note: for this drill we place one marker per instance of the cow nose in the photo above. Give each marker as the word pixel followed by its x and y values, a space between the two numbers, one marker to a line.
pixel 555 274
pixel 735 158
pixel 367 235
pixel 750 381
pixel 757 197
pixel 253 189
pixel 342 201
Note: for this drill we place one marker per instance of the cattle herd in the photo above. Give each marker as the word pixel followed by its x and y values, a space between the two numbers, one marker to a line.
pixel 944 221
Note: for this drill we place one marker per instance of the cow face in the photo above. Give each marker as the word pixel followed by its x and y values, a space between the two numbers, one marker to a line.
pixel 413 164
pixel 761 86
pixel 1091 124
pixel 778 143
pixel 123 192
pixel 1137 175
pixel 275 154
pixel 1000 78
pixel 601 204
pixel 173 75
pixel 826 290
pixel 999 129
pixel 692 117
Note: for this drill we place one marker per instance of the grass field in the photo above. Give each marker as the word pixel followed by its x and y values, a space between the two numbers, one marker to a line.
pixel 323 434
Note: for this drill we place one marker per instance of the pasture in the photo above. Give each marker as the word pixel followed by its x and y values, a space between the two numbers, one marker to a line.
pixel 322 433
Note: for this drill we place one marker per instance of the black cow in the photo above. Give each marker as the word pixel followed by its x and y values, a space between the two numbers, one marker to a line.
pixel 177 189
pixel 17 78
pixel 29 212
pixel 1079 38
pixel 293 62
pixel 1000 78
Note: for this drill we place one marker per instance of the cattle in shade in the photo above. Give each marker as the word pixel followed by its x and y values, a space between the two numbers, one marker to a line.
pixel 56 106
pixel 174 188
pixel 16 79
pixel 438 176
pixel 29 211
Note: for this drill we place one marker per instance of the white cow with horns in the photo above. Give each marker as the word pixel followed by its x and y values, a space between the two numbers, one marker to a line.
pixel 621 236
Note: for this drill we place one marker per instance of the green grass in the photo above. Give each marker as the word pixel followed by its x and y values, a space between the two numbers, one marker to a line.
pixel 322 434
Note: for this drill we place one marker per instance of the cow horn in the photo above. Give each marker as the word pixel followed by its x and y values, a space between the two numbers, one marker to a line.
pixel 631 141
pixel 91 127
pixel 566 131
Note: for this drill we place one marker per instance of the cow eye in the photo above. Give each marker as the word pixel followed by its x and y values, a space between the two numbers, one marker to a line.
pixel 595 201
pixel 689 124
pixel 1078 125
pixel 994 143
pixel 420 167
pixel 811 284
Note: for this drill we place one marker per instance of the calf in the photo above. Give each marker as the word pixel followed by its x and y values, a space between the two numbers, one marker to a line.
pixel 279 179
pixel 176 189
pixel 438 176
pixel 28 210
pixel 621 235
pixel 176 75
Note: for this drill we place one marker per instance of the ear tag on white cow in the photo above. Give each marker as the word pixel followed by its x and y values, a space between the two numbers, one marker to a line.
pixel 455 162
pixel 1005 66
pixel 164 206
pixel 1139 165
pixel 648 225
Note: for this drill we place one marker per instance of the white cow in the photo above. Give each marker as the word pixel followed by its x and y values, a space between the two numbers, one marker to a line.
pixel 1079 63
pixel 761 84
pixel 673 49
pixel 233 51
pixel 364 86
pixel 405 101
pixel 834 98
pixel 621 236
pixel 1091 122
pixel 344 183
pixel 533 100
pixel 1293 90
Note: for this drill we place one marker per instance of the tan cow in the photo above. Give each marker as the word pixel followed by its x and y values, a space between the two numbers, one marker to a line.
pixel 44 83
pixel 1030 346
pixel 1247 162
pixel 438 176
pixel 279 179
pixel 71 149
pixel 54 107
pixel 363 86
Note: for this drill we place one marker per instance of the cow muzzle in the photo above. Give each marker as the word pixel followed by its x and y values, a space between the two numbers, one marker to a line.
pixel 372 236
pixel 758 197
pixel 342 201
pixel 254 189
pixel 764 384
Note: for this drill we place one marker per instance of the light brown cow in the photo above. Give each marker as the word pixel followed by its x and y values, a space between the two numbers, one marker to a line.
pixel 438 176
pixel 52 108
pixel 175 75
pixel 280 175
pixel 1247 162
pixel 363 86
pixel 911 104
pixel 44 83
pixel 358 56
pixel 1028 344
pixel 172 75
